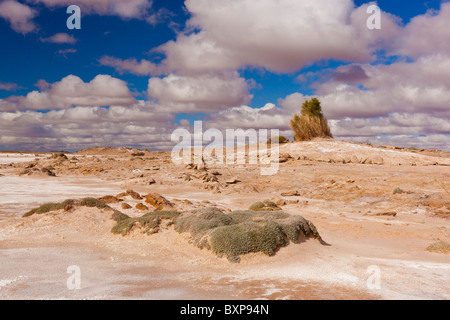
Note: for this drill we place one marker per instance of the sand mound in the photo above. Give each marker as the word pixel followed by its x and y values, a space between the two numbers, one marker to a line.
pixel 336 151
pixel 232 235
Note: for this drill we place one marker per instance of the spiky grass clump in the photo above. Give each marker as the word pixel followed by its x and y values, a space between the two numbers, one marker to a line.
pixel 308 127
pixel 149 223
pixel 311 123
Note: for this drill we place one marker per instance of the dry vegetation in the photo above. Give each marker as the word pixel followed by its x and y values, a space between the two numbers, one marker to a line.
pixel 311 123
pixel 230 234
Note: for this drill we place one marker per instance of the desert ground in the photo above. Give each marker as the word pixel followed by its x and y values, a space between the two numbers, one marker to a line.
pixel 376 208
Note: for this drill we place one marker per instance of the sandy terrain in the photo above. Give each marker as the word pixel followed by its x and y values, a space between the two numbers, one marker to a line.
pixel 345 189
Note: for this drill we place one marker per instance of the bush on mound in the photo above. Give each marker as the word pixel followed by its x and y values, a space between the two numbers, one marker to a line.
pixel 149 222
pixel 47 207
pixel 241 232
pixel 67 205
pixel 234 234
pixel 199 222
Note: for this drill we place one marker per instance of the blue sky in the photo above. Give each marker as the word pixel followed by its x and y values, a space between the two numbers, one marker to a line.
pixel 109 35
pixel 30 57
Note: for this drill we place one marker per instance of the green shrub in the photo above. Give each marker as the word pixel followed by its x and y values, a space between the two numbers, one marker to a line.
pixel 149 222
pixel 123 226
pixel 265 205
pixel 398 191
pixel 244 231
pixel 47 207
pixel 277 140
pixel 241 216
pixel 67 205
pixel 246 237
pixel 201 221
pixel 93 202
pixel 311 123
pixel 119 216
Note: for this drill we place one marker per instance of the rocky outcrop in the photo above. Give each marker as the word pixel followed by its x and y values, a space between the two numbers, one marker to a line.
pixel 158 202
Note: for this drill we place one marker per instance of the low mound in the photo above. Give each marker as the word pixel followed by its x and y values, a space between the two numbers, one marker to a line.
pixel 265 205
pixel 233 234
pixel 241 232
pixel 149 222
pixel 68 205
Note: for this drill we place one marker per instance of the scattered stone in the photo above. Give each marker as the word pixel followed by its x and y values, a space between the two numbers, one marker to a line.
pixel 48 172
pixel 216 189
pixel 279 202
pixel 158 201
pixel 110 199
pixel 389 214
pixel 293 193
pixel 284 157
pixel 138 154
pixel 134 194
pixel 68 205
pixel 233 180
pixel 151 181
pixel 59 156
pixel 121 195
pixel 141 207
pixel 207 177
pixel 126 206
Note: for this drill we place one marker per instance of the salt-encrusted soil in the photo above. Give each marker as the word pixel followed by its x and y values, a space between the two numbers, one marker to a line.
pixel 377 208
